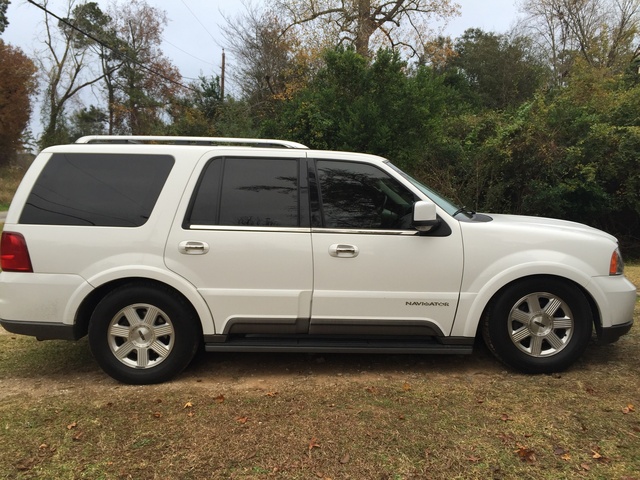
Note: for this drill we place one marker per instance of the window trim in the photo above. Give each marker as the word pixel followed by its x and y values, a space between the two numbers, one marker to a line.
pixel 302 197
pixel 317 201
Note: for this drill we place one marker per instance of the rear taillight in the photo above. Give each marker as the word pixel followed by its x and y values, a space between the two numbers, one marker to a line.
pixel 14 255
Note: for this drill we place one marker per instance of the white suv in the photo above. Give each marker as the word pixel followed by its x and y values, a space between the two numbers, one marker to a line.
pixel 155 245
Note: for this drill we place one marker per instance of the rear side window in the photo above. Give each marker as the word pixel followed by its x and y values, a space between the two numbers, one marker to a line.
pixel 108 190
pixel 254 192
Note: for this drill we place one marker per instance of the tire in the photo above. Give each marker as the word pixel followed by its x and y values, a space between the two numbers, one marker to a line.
pixel 142 334
pixel 539 325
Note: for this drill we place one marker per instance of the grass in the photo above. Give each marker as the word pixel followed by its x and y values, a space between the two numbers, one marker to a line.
pixel 296 416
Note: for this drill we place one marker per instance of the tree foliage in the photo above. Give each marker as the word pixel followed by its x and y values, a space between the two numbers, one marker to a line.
pixel 270 65
pixel 502 71
pixel 4 21
pixel 145 81
pixel 369 24
pixel 17 84
pixel 602 33
pixel 66 67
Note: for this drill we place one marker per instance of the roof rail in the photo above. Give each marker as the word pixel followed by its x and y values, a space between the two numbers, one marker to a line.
pixel 132 139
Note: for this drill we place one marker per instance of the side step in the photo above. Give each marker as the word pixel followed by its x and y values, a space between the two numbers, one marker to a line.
pixel 337 345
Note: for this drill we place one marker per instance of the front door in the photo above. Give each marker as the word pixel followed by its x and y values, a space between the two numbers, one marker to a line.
pixel 373 272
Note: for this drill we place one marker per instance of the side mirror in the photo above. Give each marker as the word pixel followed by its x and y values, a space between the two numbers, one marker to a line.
pixel 424 216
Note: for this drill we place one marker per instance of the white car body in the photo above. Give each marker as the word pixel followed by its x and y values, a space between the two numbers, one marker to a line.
pixel 305 281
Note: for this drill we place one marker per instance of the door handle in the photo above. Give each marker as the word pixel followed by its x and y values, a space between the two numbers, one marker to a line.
pixel 190 247
pixel 341 250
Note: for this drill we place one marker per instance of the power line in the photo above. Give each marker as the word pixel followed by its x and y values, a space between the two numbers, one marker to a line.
pixel 198 19
pixel 187 53
pixel 109 47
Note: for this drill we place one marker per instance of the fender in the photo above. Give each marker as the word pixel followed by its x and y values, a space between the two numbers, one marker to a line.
pixel 475 297
pixel 144 272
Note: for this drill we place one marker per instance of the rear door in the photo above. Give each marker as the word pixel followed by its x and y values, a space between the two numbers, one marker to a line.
pixel 245 242
pixel 374 274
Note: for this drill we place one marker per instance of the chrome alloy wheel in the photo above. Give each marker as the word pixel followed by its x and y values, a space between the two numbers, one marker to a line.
pixel 541 324
pixel 141 336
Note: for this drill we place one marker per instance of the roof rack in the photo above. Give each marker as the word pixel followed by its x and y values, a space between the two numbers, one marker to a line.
pixel 133 139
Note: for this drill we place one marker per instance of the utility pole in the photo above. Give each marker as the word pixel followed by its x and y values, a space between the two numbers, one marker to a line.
pixel 222 78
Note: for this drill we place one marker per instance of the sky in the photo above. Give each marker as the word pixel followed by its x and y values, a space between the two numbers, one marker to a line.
pixel 192 39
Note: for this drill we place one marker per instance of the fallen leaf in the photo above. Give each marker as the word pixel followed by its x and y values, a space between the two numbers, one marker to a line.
pixel 78 436
pixel 526 454
pixel 406 387
pixel 628 409
pixel 188 405
pixel 219 398
pixel 157 414
pixel 595 455
pixel 271 394
pixel 72 425
pixel 566 457
pixel 242 420
pixel 474 459
pixel 371 389
pixel 505 418
pixel 585 466
pixel 559 451
pixel 345 458
pixel 313 443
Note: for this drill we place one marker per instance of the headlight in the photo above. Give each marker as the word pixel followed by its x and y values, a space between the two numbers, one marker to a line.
pixel 616 266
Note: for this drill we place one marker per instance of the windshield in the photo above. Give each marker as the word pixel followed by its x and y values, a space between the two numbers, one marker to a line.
pixel 444 203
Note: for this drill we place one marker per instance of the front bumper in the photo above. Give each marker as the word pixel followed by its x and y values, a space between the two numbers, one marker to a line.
pixel 612 334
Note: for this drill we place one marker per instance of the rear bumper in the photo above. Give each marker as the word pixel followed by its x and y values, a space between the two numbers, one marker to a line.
pixel 43 330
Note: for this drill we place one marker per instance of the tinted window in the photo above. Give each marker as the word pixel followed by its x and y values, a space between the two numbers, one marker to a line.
pixel 361 196
pixel 248 192
pixel 97 189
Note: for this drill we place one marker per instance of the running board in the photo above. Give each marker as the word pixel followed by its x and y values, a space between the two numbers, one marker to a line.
pixel 311 345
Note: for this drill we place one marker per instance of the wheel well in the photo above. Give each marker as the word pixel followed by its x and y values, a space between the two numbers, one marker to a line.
pixel 88 305
pixel 592 304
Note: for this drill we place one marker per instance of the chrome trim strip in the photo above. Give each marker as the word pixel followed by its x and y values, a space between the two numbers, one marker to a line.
pixel 231 228
pixel 345 231
pixel 342 231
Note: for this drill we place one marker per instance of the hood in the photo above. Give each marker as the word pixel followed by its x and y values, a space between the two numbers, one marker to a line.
pixel 549 223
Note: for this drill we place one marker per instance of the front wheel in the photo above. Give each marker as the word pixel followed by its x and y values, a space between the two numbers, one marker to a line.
pixel 539 325
pixel 142 334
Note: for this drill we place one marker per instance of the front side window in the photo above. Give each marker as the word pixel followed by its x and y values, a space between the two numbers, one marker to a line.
pixel 251 192
pixel 361 196
pixel 97 189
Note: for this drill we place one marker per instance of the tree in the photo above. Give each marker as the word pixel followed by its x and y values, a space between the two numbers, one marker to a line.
pixel 17 84
pixel 501 70
pixel 4 22
pixel 271 65
pixel 88 121
pixel 369 24
pixel 65 67
pixel 373 106
pixel 603 33
pixel 145 82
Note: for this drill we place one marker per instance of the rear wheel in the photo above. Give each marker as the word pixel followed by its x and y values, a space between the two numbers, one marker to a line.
pixel 539 325
pixel 142 334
